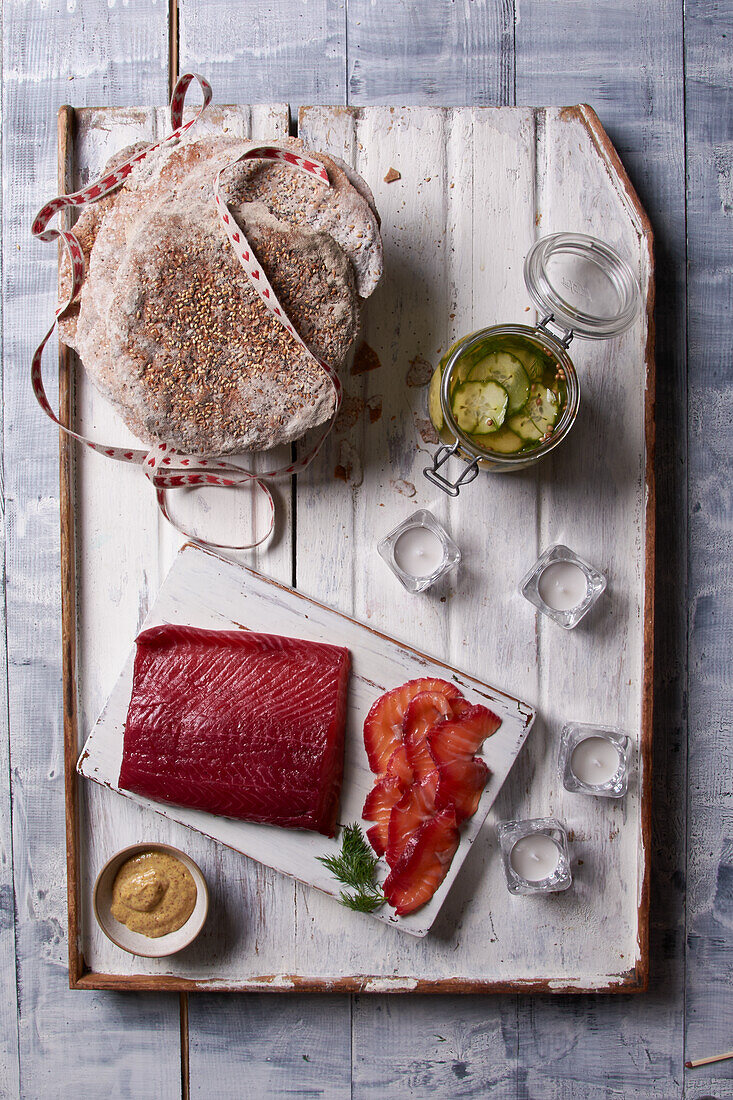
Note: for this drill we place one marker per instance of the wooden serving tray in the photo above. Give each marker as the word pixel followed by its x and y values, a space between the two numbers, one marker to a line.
pixel 477 187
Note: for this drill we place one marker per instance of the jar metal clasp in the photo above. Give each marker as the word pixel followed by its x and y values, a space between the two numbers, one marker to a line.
pixel 564 337
pixel 441 456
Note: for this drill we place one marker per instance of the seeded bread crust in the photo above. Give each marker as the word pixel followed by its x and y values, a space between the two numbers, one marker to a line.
pixel 168 326
pixel 197 360
pixel 341 210
pixel 85 229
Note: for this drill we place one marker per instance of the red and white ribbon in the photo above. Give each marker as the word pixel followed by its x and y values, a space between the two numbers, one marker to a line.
pixel 164 467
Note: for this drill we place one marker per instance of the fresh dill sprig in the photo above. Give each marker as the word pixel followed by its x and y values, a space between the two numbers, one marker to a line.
pixel 356 866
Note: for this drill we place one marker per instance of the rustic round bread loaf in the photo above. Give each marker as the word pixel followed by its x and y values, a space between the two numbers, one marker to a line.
pixel 168 326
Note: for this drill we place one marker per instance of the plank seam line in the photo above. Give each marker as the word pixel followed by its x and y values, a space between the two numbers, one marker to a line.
pixel 346 52
pixel 184 1032
pixel 173 46
pixel 514 51
pixel 686 671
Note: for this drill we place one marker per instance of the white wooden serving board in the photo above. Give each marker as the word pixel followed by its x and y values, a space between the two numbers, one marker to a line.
pixel 204 590
pixel 477 187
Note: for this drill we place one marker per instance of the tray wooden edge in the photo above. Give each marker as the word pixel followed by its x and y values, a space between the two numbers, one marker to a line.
pixel 621 179
pixel 80 976
pixel 630 981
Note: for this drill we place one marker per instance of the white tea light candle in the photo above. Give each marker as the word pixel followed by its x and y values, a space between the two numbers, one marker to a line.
pixel 562 585
pixel 418 551
pixel 535 857
pixel 595 761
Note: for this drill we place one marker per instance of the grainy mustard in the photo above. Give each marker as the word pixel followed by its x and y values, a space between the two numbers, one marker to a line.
pixel 153 893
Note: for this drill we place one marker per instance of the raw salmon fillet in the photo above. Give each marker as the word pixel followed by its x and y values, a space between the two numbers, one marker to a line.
pixel 245 725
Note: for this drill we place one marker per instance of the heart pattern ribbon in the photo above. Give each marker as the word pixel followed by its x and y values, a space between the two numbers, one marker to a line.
pixel 162 465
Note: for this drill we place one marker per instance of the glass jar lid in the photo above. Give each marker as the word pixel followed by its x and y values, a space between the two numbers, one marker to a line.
pixel 583 283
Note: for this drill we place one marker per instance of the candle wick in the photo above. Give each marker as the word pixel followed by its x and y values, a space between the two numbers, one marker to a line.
pixel 534 856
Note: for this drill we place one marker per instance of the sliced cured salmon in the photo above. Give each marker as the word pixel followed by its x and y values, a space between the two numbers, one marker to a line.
pixel 460 784
pixel 424 711
pixel 458 738
pixel 398 767
pixel 423 864
pixel 246 725
pixel 421 739
pixel 383 724
pixel 378 807
pixel 414 807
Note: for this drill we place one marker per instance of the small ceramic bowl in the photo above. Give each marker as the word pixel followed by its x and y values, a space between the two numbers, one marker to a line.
pixel 135 942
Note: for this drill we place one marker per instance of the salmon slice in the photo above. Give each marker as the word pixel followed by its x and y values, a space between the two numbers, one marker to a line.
pixel 378 807
pixel 424 711
pixel 399 768
pixel 423 864
pixel 383 724
pixel 416 806
pixel 460 784
pixel 459 738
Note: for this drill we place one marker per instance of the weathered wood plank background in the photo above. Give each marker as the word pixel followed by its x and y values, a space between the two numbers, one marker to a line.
pixel 659 76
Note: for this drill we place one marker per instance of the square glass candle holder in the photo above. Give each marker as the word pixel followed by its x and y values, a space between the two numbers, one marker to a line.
pixel 562 585
pixel 535 856
pixel 595 760
pixel 419 551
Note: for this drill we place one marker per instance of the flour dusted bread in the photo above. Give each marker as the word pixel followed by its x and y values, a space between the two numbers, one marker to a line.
pixel 339 210
pixel 195 357
pixel 168 325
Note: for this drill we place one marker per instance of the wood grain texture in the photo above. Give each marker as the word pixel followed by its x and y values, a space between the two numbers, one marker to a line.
pixel 9 1053
pixel 709 984
pixel 624 59
pixel 404 52
pixel 289 51
pixel 300 49
pixel 121 56
pixel 459 54
pixel 450 269
pixel 566 58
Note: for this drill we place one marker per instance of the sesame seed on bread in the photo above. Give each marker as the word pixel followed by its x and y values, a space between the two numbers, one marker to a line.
pixel 169 327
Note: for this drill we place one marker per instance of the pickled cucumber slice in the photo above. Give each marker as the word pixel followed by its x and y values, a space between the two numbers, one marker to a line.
pixel 504 441
pixel 543 407
pixel 531 361
pixel 507 370
pixel 479 406
pixel 435 411
pixel 463 370
pixel 525 427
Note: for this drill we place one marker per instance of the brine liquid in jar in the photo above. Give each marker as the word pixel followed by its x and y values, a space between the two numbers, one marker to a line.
pixel 507 394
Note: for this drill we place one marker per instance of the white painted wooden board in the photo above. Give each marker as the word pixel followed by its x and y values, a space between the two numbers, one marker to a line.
pixel 206 591
pixel 475 186
pixel 120 565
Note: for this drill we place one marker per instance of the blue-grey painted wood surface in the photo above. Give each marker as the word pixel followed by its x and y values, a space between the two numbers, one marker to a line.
pixel 660 78
pixel 65 1044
